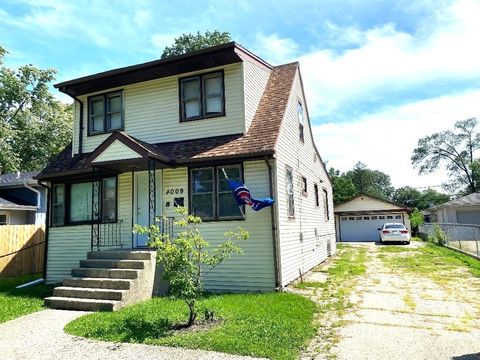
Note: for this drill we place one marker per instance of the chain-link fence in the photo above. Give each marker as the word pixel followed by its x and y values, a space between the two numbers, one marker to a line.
pixel 459 236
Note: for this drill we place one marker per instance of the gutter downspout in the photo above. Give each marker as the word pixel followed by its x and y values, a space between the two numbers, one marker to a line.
pixel 47 227
pixel 35 191
pixel 80 124
pixel 276 249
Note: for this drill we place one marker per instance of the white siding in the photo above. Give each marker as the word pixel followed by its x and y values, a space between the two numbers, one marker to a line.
pixel 117 151
pixel 300 255
pixel 66 246
pixel 253 271
pixel 151 111
pixel 366 203
pixel 256 78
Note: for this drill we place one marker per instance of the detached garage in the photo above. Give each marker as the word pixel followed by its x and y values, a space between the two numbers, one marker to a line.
pixel 359 218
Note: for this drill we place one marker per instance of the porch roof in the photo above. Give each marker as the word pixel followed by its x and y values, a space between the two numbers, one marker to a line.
pixel 259 141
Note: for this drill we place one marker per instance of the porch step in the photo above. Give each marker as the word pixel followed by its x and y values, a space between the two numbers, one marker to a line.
pixel 120 255
pixel 98 283
pixel 105 273
pixel 107 281
pixel 112 264
pixel 88 293
pixel 68 303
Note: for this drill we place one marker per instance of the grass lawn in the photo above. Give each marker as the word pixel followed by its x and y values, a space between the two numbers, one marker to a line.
pixel 18 302
pixel 272 325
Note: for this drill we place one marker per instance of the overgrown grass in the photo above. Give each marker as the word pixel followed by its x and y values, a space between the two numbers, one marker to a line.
pixel 19 302
pixel 432 260
pixel 272 325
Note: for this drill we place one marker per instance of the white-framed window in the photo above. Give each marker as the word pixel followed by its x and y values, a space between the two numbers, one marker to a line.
pixel 300 121
pixel 398 216
pixel 290 192
pixel 4 218
pixel 317 199
pixel 202 96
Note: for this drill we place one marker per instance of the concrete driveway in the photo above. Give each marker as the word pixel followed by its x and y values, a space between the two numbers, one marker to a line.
pixel 398 315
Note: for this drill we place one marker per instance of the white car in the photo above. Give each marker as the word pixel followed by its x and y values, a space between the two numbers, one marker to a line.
pixel 394 232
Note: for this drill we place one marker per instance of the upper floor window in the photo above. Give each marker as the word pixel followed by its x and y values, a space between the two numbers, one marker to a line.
pixel 105 113
pixel 202 96
pixel 300 121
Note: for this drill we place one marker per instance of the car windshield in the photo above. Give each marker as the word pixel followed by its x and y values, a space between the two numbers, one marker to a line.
pixel 394 226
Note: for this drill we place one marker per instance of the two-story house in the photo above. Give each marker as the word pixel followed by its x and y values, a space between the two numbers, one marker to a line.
pixel 156 135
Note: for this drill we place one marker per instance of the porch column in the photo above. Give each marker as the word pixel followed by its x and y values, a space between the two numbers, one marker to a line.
pixel 152 196
pixel 95 216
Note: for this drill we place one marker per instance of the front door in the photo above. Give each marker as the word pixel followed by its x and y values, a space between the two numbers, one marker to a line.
pixel 141 206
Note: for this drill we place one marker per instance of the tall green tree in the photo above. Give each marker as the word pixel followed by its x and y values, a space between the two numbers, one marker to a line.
pixel 370 182
pixel 343 188
pixel 421 200
pixel 189 42
pixel 33 125
pixel 456 150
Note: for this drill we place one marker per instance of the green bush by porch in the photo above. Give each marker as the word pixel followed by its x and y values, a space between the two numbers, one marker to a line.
pixel 273 325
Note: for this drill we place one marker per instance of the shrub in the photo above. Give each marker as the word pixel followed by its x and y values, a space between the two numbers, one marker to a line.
pixel 186 258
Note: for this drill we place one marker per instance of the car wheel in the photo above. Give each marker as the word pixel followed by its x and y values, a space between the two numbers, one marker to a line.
pixel 407 242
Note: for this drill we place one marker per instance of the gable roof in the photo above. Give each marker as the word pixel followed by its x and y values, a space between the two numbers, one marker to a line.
pixel 468 200
pixel 213 56
pixel 259 141
pixel 16 179
pixel 399 206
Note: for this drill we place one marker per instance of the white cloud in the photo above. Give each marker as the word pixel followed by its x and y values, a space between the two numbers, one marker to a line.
pixel 159 41
pixel 276 50
pixel 386 58
pixel 385 140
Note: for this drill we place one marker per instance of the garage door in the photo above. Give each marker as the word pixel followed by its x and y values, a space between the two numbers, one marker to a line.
pixel 364 228
pixel 468 217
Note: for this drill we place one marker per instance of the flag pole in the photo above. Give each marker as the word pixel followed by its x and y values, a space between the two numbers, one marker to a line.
pixel 239 206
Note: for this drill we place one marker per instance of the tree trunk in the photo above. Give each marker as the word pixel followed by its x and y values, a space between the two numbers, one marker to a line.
pixel 193 314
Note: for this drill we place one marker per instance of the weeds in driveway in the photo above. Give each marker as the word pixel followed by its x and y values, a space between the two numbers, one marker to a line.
pixel 333 297
pixel 434 261
pixel 18 302
pixel 272 325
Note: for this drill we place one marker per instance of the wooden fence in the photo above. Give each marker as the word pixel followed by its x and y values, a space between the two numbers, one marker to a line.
pixel 21 249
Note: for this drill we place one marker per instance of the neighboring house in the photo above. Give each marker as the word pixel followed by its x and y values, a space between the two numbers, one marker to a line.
pixel 22 199
pixel 152 136
pixel 464 210
pixel 359 218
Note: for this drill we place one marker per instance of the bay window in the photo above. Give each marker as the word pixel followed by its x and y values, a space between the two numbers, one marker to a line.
pixel 211 197
pixel 202 96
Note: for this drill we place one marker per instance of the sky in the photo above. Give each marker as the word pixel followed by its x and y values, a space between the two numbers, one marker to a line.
pixel 378 75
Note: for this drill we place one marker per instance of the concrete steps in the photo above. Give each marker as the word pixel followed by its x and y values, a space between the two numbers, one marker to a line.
pixel 69 303
pixel 106 281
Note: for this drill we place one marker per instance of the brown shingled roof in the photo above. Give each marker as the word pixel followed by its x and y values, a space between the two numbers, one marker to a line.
pixel 259 140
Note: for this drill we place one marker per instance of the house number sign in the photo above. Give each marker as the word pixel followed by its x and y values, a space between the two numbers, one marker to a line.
pixel 174 191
